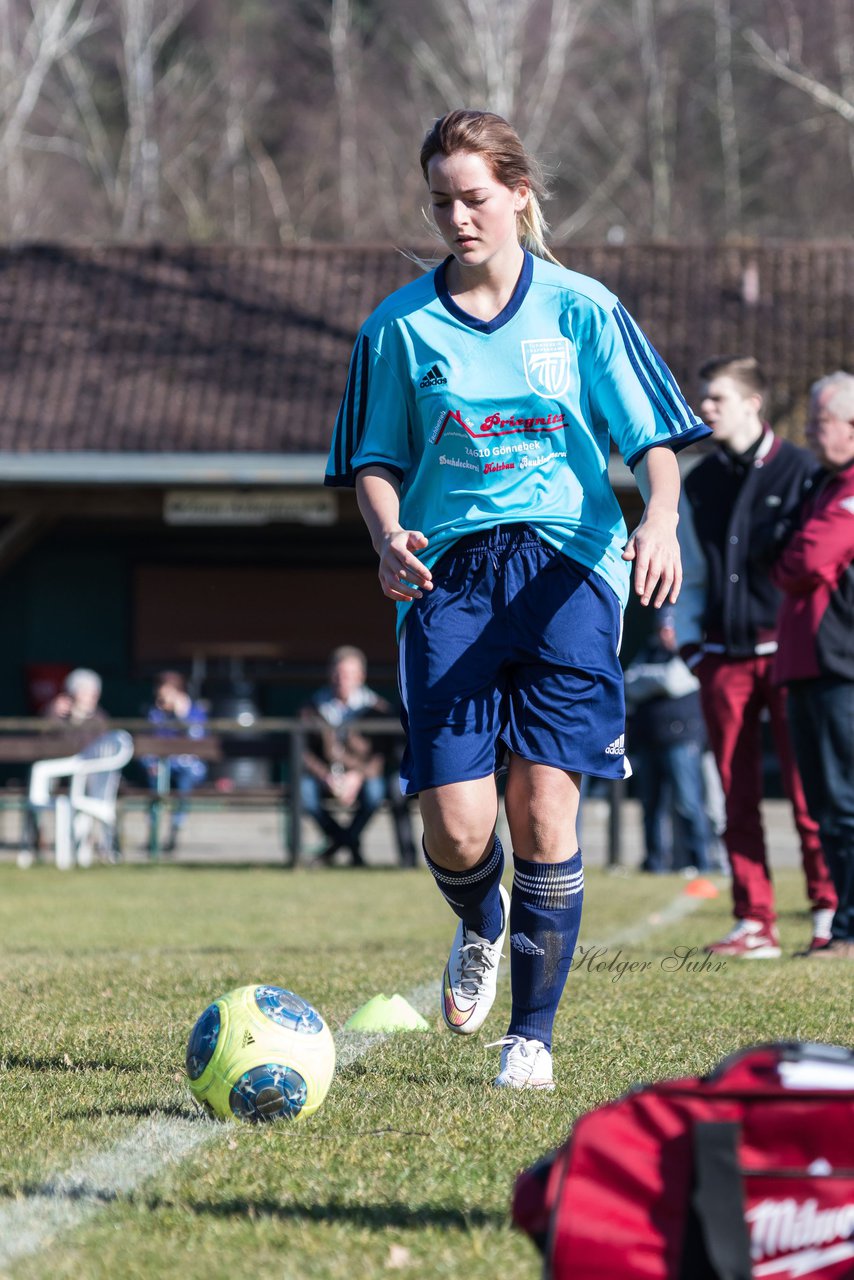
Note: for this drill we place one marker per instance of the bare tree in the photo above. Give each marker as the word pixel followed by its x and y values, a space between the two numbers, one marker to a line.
pixel 844 28
pixel 234 120
pixel 29 51
pixel 564 22
pixel 508 56
pixel 341 45
pixel 726 113
pixel 780 63
pixel 273 185
pixel 659 124
pixel 146 26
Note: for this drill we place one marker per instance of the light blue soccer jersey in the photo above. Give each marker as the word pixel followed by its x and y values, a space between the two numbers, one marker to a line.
pixel 509 421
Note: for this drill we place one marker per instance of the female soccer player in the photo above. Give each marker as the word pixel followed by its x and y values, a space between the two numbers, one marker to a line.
pixel 476 425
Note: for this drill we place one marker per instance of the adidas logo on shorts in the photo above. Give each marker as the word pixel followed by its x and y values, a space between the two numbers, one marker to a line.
pixel 433 378
pixel 519 942
pixel 617 747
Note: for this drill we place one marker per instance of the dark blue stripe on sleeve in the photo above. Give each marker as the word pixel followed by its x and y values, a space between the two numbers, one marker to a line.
pixel 657 384
pixel 350 409
pixel 631 352
pixel 363 397
pixel 340 462
pixel 692 417
pixel 338 466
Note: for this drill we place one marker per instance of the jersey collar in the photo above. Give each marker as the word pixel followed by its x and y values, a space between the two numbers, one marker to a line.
pixel 518 296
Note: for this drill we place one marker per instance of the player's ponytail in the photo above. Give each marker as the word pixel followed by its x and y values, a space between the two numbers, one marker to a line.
pixel 533 228
pixel 486 134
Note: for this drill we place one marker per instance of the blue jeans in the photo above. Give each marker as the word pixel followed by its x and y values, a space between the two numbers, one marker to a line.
pixel 821 716
pixel 185 772
pixel 371 796
pixel 671 777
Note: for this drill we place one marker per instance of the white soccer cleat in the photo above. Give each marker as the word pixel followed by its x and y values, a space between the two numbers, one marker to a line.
pixel 525 1064
pixel 471 975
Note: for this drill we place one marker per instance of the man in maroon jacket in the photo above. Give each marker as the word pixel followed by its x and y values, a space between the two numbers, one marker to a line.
pixel 815 657
pixel 735 503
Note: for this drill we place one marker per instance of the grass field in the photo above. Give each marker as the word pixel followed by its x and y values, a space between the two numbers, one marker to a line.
pixel 409 1165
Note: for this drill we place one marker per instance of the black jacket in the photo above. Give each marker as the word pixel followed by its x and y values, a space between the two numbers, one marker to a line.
pixel 743 510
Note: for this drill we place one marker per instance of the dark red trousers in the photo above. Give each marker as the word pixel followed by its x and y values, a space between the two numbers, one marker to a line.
pixel 735 692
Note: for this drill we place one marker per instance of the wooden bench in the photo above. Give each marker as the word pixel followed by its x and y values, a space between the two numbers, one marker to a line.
pixel 210 797
pixel 205 797
pixel 279 740
pixel 13 799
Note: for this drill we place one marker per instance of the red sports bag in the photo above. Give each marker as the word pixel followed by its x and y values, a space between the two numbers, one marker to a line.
pixel 745 1174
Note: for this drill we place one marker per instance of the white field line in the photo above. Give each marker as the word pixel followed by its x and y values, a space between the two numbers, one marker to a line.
pixel 65 1201
pixel 677 909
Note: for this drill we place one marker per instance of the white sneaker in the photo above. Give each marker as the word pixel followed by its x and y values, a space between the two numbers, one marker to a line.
pixel 822 922
pixel 471 975
pixel 749 940
pixel 525 1064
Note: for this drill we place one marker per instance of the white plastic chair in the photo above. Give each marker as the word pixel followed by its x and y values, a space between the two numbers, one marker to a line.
pixel 94 775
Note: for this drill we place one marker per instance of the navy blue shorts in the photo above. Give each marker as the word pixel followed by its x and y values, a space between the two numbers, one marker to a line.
pixel 514 648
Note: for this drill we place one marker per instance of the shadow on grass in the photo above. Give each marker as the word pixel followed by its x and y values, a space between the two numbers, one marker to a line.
pixel 9 1061
pixel 375 1217
pixel 173 1112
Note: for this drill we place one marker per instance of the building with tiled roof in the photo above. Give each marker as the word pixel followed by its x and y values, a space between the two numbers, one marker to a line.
pixel 244 351
pixel 165 413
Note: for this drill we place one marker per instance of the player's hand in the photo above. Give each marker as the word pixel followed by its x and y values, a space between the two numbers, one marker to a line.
pixel 346 788
pixel 654 548
pixel 402 575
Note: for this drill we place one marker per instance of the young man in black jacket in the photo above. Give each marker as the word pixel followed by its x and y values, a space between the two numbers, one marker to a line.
pixel 736 505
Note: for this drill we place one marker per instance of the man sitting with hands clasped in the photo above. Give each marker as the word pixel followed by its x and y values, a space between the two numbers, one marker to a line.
pixel 340 763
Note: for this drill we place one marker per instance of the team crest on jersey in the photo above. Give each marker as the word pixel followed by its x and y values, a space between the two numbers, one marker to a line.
pixel 547 366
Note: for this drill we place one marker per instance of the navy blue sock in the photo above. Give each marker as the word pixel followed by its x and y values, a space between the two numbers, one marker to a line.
pixel 473 895
pixel 545 916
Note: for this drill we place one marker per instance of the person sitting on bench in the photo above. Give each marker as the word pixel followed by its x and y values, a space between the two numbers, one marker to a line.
pixel 338 762
pixel 173 707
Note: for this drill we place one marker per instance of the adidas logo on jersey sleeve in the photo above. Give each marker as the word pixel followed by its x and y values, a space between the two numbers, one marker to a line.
pixel 433 378
pixel 617 747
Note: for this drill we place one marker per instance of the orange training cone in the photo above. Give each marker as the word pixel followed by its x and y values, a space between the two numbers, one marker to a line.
pixel 701 888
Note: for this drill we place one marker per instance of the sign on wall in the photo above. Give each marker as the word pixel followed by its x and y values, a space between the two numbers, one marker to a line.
pixel 248 506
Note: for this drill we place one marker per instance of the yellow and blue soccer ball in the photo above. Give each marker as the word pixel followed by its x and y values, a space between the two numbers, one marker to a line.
pixel 260 1053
